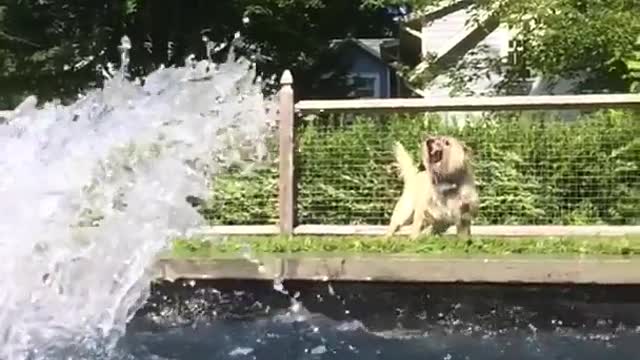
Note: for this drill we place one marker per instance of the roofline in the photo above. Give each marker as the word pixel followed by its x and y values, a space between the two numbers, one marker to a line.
pixel 487 27
pixel 434 12
pixel 340 42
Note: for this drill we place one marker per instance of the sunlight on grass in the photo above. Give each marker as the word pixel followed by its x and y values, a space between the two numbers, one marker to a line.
pixel 207 247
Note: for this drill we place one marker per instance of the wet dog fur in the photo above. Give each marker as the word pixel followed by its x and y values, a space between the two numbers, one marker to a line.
pixel 441 195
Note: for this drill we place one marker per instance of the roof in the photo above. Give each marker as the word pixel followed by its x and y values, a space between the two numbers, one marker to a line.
pixel 370 45
pixel 435 11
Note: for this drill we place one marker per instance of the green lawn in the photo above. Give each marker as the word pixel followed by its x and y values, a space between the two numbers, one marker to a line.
pixel 402 245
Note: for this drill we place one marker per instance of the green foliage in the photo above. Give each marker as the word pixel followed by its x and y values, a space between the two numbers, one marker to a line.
pixel 203 248
pixel 568 37
pixel 531 169
pixel 244 198
pixel 53 48
pixel 632 61
pixel 561 38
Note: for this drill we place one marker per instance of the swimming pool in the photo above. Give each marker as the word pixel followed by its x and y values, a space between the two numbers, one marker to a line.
pixel 250 320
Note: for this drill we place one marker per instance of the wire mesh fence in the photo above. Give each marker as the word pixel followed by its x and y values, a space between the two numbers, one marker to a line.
pixel 244 198
pixel 532 168
pixel 245 195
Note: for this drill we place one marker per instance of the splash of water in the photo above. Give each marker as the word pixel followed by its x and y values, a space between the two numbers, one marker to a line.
pixel 121 159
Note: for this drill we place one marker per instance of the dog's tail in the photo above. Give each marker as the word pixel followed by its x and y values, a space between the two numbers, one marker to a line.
pixel 404 161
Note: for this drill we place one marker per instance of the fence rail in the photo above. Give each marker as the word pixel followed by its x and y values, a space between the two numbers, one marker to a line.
pixel 377 230
pixel 501 103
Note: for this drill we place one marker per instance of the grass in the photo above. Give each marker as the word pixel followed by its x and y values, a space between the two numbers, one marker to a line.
pixel 203 247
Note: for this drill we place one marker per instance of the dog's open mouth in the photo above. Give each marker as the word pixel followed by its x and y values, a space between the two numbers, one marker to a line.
pixel 436 156
pixel 435 152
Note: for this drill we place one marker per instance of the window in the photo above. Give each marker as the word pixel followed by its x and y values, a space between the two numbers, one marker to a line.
pixel 365 85
pixel 515 58
pixel 517 47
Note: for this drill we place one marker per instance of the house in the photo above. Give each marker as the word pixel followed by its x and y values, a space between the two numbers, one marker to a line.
pixel 358 68
pixel 463 56
pixel 438 52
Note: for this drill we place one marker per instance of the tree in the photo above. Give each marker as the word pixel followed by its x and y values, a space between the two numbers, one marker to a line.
pixel 53 46
pixel 53 49
pixel 565 37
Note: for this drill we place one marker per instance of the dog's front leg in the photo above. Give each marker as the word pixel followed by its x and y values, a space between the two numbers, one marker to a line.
pixel 418 220
pixel 401 213
pixel 463 227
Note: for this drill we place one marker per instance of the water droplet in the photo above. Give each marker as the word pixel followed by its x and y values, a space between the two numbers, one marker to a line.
pixel 241 351
pixel 117 157
pixel 330 289
pixel 320 349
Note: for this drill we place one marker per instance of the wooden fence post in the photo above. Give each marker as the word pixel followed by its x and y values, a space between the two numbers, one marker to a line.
pixel 287 183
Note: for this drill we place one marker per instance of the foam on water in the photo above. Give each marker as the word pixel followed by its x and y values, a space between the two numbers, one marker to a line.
pixel 123 158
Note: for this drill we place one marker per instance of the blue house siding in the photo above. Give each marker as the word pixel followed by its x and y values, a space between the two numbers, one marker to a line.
pixel 351 68
pixel 360 61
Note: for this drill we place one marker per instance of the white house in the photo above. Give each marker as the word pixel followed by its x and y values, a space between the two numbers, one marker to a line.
pixel 464 51
pixel 447 35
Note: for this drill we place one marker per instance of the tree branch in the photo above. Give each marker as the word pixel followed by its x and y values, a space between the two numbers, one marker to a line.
pixel 18 39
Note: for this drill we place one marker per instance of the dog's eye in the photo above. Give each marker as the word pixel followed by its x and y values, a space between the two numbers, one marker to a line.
pixel 446 142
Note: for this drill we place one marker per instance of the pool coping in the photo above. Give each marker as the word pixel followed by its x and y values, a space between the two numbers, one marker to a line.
pixel 529 269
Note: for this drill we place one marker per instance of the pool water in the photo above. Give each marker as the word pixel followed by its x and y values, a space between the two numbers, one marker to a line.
pixel 250 320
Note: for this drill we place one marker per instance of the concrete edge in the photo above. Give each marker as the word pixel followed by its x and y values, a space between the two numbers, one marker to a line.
pixel 390 268
pixel 378 230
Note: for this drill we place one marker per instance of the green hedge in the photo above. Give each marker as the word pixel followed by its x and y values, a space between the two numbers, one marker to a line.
pixel 531 169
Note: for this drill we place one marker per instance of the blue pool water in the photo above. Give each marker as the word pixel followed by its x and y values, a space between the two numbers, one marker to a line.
pixel 249 320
